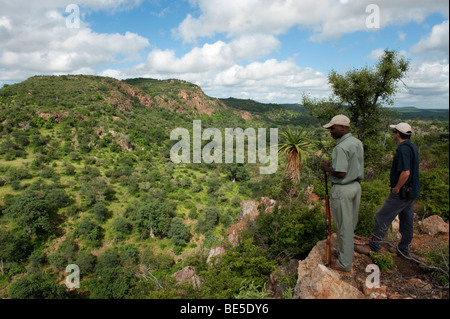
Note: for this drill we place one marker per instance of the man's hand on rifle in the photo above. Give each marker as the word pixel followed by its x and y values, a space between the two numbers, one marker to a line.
pixel 327 168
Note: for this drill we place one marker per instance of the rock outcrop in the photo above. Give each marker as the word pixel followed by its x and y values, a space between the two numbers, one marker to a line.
pixel 250 210
pixel 216 251
pixel 188 275
pixel 316 281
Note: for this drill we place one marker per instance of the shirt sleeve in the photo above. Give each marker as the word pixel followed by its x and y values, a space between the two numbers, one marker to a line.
pixel 404 159
pixel 339 160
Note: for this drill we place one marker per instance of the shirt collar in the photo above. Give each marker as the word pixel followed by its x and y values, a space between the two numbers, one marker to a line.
pixel 344 137
pixel 404 142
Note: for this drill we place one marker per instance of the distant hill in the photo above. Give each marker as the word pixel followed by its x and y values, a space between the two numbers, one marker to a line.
pixel 406 113
pixel 414 113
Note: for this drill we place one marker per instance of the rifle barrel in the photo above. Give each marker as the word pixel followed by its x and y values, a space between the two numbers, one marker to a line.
pixel 328 220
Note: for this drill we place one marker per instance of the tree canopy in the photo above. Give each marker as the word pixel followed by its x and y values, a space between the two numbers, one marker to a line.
pixel 361 94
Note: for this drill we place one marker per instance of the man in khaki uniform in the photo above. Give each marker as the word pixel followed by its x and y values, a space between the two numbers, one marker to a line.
pixel 346 171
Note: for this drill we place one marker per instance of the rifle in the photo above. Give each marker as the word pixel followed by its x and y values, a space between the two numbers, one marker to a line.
pixel 328 219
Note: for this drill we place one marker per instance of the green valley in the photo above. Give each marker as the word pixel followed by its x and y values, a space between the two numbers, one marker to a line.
pixel 86 178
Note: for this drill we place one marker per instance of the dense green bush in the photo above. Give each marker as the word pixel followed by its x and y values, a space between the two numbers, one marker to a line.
pixel 35 208
pixel 384 261
pixel 290 232
pixel 15 246
pixel 90 230
pixel 178 232
pixel 121 225
pixel 110 282
pixel 99 211
pixel 37 286
pixel 244 263
pixel 152 215
pixel 434 192
pixel 86 261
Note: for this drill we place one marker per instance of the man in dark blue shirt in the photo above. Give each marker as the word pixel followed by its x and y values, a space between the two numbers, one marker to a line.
pixel 405 188
pixel 404 161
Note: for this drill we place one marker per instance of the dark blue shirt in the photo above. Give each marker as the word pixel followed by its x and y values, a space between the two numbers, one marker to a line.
pixel 406 159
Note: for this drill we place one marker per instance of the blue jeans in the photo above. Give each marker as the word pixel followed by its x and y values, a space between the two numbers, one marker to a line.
pixel 394 206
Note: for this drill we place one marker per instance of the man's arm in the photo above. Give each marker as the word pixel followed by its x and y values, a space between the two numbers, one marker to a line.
pixel 404 175
pixel 327 168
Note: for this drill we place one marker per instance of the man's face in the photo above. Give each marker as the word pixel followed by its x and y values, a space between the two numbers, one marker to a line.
pixel 337 131
pixel 396 136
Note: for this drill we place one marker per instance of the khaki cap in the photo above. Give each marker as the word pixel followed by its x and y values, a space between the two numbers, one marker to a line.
pixel 405 128
pixel 338 120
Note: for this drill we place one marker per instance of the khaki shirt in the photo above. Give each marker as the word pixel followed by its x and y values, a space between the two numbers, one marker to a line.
pixel 348 157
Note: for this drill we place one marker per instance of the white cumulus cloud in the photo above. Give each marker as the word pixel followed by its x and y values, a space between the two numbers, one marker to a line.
pixel 436 41
pixel 427 84
pixel 38 40
pixel 326 19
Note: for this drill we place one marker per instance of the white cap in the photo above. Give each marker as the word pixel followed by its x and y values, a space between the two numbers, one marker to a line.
pixel 405 128
pixel 338 120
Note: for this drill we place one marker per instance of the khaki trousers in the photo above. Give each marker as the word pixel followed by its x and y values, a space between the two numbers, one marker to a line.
pixel 345 201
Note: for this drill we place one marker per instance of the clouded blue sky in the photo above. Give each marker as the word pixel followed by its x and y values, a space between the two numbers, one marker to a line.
pixel 266 50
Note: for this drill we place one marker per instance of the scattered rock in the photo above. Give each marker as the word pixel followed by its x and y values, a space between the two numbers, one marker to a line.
pixel 419 284
pixel 375 293
pixel 434 225
pixel 316 281
pixel 321 282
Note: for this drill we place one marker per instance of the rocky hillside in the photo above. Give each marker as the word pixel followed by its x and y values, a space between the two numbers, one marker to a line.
pixel 81 90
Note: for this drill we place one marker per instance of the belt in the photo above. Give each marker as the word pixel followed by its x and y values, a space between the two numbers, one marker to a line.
pixel 355 180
